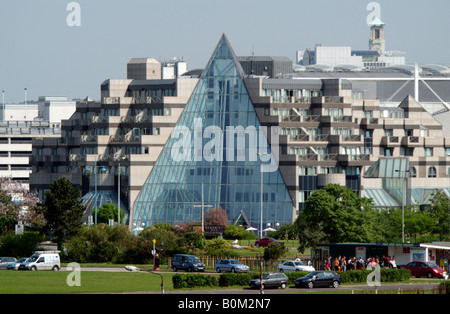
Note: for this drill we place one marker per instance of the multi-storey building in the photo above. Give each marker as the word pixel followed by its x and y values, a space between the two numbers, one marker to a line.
pixel 322 132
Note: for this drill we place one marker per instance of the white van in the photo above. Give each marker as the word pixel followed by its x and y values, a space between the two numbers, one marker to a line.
pixel 42 260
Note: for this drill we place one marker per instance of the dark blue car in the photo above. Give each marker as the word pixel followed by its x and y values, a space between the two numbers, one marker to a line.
pixel 319 279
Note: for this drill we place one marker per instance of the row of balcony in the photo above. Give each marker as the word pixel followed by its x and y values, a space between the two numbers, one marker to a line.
pixel 128 138
pixel 317 118
pixel 333 139
pixel 331 157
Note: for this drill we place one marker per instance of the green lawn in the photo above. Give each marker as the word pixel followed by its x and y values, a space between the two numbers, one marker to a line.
pixel 48 282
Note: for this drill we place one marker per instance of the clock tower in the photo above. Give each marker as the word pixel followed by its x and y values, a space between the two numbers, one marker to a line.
pixel 377 41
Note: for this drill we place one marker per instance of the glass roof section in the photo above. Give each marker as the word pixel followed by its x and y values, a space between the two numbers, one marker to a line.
pixel 388 168
pixel 198 166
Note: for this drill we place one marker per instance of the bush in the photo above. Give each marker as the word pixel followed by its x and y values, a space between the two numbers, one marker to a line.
pixel 274 251
pixel 20 245
pixel 193 280
pixel 242 279
pixel 386 275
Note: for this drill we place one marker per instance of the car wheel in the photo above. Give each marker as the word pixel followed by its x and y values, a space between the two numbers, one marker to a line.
pixel 310 285
pixel 33 268
pixel 430 275
pixel 283 285
pixel 233 270
pixel 257 245
pixel 218 269
pixel 189 269
pixel 281 270
pixel 335 284
pixel 174 268
pixel 55 268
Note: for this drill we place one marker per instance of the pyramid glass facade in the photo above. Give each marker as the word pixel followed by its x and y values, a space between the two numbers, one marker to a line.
pixel 215 155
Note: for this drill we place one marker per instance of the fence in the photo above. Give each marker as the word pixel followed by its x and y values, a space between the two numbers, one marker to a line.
pixel 253 262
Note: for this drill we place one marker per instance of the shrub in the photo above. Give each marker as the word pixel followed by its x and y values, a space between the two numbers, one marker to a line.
pixel 274 251
pixel 20 245
pixel 230 279
pixel 386 275
pixel 193 280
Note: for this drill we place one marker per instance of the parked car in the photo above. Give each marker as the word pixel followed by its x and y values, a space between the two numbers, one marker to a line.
pixel 319 279
pixel 292 266
pixel 187 262
pixel 264 242
pixel 428 269
pixel 230 265
pixel 16 264
pixel 271 280
pixel 4 261
pixel 42 260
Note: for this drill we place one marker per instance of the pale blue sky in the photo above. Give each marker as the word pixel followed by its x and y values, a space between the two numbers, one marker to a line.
pixel 39 51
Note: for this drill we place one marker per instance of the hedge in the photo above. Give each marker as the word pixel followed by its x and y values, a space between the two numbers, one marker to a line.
pixel 193 280
pixel 386 275
pixel 243 279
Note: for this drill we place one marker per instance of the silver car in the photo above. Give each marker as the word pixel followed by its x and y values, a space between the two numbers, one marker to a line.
pixel 4 261
pixel 230 265
pixel 16 264
pixel 292 266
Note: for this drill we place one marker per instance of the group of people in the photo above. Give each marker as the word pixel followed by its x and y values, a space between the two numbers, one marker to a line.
pixel 341 263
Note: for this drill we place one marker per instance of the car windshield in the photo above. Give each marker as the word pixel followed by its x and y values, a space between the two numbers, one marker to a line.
pixel 312 274
pixel 33 258
pixel 194 260
pixel 265 276
pixel 430 264
pixel 299 264
pixel 272 239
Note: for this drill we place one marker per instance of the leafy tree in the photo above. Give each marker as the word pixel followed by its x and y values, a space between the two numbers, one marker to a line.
pixel 274 251
pixel 18 204
pixel 216 217
pixel 107 212
pixel 63 209
pixel 335 214
pixel 101 243
pixel 440 211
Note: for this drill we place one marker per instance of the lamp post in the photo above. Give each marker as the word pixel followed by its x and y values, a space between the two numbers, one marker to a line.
pixel 118 189
pixel 403 202
pixel 261 198
pixel 4 113
pixel 95 186
pixel 203 212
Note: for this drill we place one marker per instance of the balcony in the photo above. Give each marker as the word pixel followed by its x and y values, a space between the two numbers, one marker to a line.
pixel 370 123
pixel 412 141
pixel 346 139
pixel 390 141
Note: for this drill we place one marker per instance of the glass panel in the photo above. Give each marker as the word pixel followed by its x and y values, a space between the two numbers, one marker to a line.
pixel 173 191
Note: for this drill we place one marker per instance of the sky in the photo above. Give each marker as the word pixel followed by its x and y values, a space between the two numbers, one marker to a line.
pixel 41 52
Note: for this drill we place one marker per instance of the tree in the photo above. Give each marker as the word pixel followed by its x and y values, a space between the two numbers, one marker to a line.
pixel 107 212
pixel 63 209
pixel 440 211
pixel 335 214
pixel 216 217
pixel 18 204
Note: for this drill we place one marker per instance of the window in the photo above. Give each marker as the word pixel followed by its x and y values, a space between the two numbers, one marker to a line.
pixel 428 151
pixel 432 172
pixel 413 172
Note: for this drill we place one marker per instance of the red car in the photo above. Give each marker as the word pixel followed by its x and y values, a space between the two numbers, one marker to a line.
pixel 428 269
pixel 266 241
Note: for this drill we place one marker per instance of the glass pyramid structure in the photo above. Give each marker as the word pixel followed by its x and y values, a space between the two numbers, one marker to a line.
pixel 198 166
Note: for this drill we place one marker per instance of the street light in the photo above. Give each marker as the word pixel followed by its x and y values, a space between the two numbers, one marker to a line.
pixel 123 158
pixel 403 202
pixel 95 186
pixel 203 213
pixel 261 198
